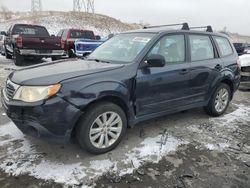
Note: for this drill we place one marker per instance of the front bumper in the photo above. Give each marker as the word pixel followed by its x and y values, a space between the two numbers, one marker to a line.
pixel 54 118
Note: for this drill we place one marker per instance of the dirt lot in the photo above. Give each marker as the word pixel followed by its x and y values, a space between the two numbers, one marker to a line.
pixel 187 149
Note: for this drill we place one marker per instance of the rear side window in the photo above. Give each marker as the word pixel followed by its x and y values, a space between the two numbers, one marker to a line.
pixel 172 48
pixel 64 34
pixel 201 47
pixel 224 46
pixel 60 33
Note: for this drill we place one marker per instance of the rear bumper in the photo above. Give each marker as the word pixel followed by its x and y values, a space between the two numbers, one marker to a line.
pixel 27 52
pixel 53 119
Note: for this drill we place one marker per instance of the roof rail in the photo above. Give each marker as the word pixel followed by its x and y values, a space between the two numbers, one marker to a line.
pixel 208 28
pixel 184 26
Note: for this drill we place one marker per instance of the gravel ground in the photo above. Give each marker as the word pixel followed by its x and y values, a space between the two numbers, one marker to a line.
pixel 187 149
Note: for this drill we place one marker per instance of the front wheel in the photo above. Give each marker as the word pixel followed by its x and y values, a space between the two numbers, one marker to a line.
pixel 219 101
pixel 102 128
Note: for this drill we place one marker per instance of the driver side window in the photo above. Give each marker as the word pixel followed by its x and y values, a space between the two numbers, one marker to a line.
pixel 171 47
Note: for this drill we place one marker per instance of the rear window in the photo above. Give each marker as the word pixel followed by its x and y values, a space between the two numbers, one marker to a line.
pixel 201 47
pixel 224 46
pixel 30 30
pixel 236 45
pixel 82 34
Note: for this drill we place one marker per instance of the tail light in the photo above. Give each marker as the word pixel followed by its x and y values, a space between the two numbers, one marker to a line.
pixel 19 42
pixel 239 63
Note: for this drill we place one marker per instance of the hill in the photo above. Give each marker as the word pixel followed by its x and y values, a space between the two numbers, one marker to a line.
pixel 54 21
pixel 100 24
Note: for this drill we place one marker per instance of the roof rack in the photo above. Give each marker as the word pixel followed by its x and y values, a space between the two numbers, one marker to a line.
pixel 184 26
pixel 208 28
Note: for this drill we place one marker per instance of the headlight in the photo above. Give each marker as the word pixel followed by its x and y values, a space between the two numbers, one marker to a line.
pixel 36 93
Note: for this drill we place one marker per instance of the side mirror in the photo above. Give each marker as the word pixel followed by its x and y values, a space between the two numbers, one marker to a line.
pixel 3 33
pixel 155 60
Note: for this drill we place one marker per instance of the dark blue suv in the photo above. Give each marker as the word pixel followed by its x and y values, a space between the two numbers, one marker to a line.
pixel 134 76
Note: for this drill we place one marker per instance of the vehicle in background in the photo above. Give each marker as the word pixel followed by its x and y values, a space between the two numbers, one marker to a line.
pixel 132 77
pixel 242 48
pixel 2 38
pixel 31 41
pixel 245 71
pixel 69 37
pixel 84 47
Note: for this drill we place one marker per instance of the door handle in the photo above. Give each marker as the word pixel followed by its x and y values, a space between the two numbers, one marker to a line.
pixel 184 71
pixel 218 67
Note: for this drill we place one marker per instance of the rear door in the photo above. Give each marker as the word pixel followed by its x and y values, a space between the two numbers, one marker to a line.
pixel 205 66
pixel 165 88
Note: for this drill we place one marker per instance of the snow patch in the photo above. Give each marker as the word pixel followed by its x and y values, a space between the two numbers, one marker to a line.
pixel 21 157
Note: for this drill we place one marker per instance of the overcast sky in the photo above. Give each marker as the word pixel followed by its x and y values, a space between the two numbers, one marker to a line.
pixel 234 14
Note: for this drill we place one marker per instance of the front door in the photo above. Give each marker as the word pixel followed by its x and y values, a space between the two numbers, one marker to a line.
pixel 160 89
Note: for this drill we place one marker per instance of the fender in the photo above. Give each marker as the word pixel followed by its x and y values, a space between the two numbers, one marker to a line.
pixel 226 75
pixel 95 91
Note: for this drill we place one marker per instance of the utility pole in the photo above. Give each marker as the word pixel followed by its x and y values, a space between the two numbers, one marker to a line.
pixel 36 6
pixel 87 5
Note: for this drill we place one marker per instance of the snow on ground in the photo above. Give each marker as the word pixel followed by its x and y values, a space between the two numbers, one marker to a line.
pixel 219 133
pixel 25 159
pixel 22 155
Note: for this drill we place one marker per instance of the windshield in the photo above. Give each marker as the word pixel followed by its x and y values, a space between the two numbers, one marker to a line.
pixel 122 48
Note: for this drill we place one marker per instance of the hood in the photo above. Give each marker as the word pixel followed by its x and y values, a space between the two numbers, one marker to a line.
pixel 245 60
pixel 55 72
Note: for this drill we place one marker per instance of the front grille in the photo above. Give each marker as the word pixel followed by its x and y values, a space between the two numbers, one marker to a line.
pixel 10 89
pixel 245 69
pixel 245 79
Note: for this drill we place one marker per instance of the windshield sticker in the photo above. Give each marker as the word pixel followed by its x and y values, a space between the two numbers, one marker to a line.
pixel 141 39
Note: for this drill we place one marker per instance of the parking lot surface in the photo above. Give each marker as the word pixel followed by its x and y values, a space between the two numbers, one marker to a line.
pixel 187 149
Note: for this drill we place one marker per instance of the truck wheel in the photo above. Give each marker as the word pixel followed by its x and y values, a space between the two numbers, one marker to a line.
pixel 219 101
pixel 7 55
pixel 18 59
pixel 71 54
pixel 102 128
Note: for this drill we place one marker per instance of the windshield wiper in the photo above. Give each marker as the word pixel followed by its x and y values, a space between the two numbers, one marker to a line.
pixel 98 60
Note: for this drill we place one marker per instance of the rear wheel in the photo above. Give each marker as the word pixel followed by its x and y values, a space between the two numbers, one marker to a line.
pixel 219 101
pixel 102 128
pixel 18 59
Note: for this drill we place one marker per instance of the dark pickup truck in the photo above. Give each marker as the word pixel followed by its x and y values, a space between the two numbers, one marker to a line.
pixel 31 41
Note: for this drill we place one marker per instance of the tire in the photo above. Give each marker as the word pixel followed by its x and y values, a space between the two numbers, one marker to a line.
pixel 7 55
pixel 88 122
pixel 217 105
pixel 18 59
pixel 71 54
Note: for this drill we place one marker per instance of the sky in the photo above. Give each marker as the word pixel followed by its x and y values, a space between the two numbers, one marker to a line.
pixel 232 14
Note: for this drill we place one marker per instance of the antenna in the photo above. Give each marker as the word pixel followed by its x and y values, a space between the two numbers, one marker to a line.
pixel 87 5
pixel 36 6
